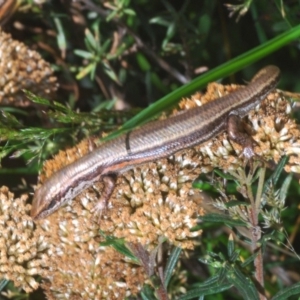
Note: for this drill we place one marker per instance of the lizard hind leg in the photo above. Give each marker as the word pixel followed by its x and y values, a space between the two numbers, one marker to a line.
pixel 240 132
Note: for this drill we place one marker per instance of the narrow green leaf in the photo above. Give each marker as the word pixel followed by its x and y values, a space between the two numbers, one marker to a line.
pixel 36 99
pixel 218 218
pixel 224 175
pixel 145 296
pixel 249 260
pixel 4 152
pixel 288 292
pixel 33 169
pixel 285 187
pixel 14 110
pixel 230 246
pixel 9 134
pixel 104 48
pixel 244 285
pixel 91 43
pixel 169 35
pixel 112 15
pixel 61 38
pixel 120 246
pixel 213 286
pixel 277 172
pixel 147 293
pixel 222 274
pixel 88 69
pixel 129 12
pixel 3 283
pixel 84 54
pixel 143 62
pixel 234 256
pixel 53 104
pixel 160 21
pixel 19 153
pixel 205 186
pixel 110 72
pixel 171 263
pixel 8 119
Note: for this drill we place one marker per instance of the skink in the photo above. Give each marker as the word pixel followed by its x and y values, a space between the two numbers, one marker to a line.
pixel 153 141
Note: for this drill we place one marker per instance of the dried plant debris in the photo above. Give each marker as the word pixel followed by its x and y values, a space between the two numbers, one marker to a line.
pixel 21 68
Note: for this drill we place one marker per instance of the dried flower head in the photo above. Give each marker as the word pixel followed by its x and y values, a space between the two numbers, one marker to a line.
pixel 276 134
pixel 79 267
pixel 21 68
pixel 155 200
pixel 151 201
pixel 23 253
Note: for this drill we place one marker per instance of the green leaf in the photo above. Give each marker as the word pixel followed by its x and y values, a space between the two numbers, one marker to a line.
pixel 147 293
pixel 249 260
pixel 244 285
pixel 285 187
pixel 91 43
pixel 129 12
pixel 120 246
pixel 15 110
pixel 276 174
pixel 288 292
pixel 112 15
pixel 84 54
pixel 143 62
pixel 19 153
pixel 3 283
pixel 8 119
pixel 104 48
pixel 218 218
pixel 230 246
pixel 85 71
pixel 234 256
pixel 169 35
pixel 224 175
pixel 171 263
pixel 4 151
pixel 61 38
pixel 110 72
pixel 36 99
pixel 160 21
pixel 205 186
pixel 210 287
pixel 204 24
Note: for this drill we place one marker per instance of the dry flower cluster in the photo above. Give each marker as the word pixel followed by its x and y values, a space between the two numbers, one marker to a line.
pixel 23 252
pixel 21 68
pixel 150 201
pixel 276 134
